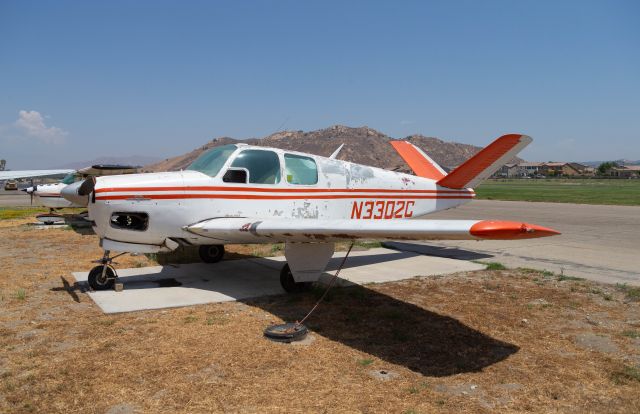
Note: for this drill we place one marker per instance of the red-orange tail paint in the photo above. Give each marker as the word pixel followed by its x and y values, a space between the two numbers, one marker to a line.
pixel 486 162
pixel 419 162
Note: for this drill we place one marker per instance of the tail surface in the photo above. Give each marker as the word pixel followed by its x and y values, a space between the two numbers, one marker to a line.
pixel 421 164
pixel 480 167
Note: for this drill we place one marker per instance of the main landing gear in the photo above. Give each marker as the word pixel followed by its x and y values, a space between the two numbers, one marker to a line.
pixel 211 253
pixel 103 276
pixel 289 284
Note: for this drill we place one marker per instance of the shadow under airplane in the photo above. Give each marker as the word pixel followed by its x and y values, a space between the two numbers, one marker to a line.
pixel 394 331
pixel 436 251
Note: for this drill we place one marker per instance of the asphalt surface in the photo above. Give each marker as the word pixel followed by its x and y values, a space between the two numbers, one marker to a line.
pixel 14 198
pixel 600 243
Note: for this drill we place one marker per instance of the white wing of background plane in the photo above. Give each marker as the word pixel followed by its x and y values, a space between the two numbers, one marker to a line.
pixel 12 175
pixel 245 230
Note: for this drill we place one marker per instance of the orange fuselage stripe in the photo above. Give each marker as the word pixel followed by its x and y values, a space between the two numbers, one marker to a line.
pixel 276 190
pixel 276 197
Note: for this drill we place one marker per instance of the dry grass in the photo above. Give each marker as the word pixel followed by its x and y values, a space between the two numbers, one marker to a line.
pixel 507 340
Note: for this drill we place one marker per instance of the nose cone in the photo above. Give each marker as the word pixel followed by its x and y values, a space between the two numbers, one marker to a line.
pixel 509 230
pixel 73 193
pixel 30 190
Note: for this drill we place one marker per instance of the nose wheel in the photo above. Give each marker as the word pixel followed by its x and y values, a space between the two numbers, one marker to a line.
pixel 103 276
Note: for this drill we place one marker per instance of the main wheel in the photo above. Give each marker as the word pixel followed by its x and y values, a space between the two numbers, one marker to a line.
pixel 289 284
pixel 98 282
pixel 211 253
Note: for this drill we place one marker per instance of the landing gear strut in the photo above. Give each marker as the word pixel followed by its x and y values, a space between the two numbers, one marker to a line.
pixel 211 253
pixel 289 284
pixel 103 276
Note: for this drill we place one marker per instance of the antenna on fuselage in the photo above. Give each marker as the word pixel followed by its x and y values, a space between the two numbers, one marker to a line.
pixel 336 152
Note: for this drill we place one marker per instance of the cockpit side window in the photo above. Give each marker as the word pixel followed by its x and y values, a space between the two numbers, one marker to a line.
pixel 300 170
pixel 263 166
pixel 212 161
pixel 69 179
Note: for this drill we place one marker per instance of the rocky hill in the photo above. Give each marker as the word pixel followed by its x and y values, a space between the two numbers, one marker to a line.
pixel 363 145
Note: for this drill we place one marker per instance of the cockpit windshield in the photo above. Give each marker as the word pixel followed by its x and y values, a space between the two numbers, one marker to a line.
pixel 69 178
pixel 212 161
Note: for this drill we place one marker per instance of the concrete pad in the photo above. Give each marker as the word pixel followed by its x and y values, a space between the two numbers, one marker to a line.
pixel 160 287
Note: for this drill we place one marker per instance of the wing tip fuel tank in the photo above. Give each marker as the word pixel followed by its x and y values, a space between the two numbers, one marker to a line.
pixel 509 230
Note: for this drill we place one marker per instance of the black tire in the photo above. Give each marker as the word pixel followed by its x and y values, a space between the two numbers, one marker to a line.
pixel 289 284
pixel 211 253
pixel 97 282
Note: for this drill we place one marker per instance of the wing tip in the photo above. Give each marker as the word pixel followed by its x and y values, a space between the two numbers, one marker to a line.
pixel 509 230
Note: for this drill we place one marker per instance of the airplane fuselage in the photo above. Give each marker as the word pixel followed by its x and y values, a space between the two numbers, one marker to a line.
pixel 48 195
pixel 145 210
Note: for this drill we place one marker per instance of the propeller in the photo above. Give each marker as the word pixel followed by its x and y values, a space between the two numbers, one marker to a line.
pixel 30 191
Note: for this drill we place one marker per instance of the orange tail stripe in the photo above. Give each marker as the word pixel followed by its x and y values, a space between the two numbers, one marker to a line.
pixel 469 169
pixel 418 163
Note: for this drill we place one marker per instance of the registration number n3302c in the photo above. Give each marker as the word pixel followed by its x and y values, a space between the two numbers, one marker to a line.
pixel 378 210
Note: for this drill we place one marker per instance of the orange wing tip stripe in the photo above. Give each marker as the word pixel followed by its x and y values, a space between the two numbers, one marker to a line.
pixel 474 166
pixel 509 230
pixel 416 161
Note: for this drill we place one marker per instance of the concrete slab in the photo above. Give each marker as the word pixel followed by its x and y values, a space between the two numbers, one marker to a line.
pixel 198 283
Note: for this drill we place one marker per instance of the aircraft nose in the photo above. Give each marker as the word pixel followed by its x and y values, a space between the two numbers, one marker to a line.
pixel 74 193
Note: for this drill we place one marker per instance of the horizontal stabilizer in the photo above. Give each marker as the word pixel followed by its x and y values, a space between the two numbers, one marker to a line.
pixel 246 230
pixel 482 165
pixel 421 164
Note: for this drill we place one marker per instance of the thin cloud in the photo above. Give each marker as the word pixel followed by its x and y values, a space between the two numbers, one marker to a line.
pixel 31 124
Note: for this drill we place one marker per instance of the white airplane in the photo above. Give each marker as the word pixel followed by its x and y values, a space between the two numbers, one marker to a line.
pixel 248 194
pixel 49 195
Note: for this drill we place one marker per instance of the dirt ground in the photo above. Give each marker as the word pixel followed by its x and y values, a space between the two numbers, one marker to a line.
pixel 487 341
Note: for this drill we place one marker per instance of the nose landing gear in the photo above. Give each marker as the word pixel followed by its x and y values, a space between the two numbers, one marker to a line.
pixel 103 276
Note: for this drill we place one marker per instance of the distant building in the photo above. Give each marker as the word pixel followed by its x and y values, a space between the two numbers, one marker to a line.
pixel 564 168
pixel 507 171
pixel 626 171
pixel 543 169
pixel 3 163
pixel 529 169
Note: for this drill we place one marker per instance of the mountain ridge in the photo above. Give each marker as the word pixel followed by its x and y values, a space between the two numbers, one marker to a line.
pixel 363 145
pixel 133 160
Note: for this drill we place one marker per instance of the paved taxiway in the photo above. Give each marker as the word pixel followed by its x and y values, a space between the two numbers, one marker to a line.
pixel 600 243
pixel 14 198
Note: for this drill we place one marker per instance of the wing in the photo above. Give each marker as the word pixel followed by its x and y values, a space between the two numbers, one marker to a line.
pixel 12 175
pixel 244 230
pixel 109 169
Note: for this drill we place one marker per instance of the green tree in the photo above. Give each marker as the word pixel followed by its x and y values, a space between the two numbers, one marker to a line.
pixel 605 167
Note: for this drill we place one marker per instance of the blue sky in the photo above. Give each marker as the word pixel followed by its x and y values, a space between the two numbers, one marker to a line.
pixel 79 79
